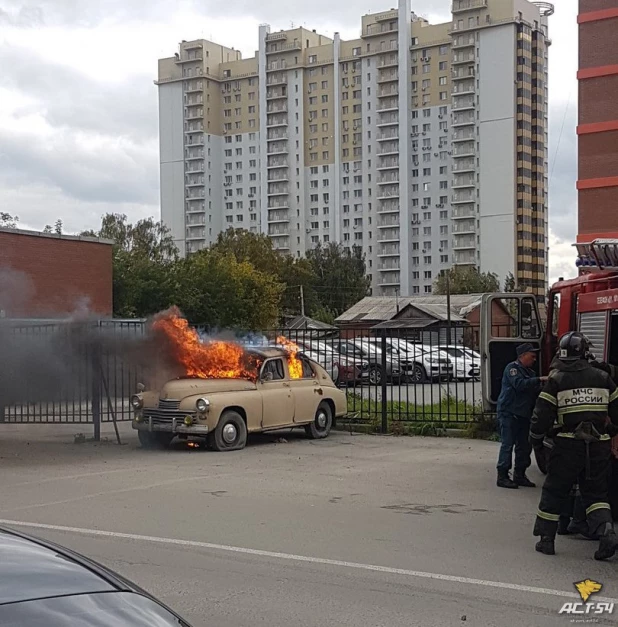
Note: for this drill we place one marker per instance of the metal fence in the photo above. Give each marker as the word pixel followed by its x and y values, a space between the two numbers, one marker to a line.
pixel 396 379
pixel 68 372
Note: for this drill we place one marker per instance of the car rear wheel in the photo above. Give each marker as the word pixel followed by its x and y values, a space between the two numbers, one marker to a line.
pixel 322 423
pixel 230 434
pixel 155 439
pixel 375 375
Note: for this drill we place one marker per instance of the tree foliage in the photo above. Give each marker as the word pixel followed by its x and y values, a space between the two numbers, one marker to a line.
pixel 466 280
pixel 509 283
pixel 8 221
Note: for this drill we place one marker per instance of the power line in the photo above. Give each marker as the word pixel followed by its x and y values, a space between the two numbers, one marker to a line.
pixel 566 109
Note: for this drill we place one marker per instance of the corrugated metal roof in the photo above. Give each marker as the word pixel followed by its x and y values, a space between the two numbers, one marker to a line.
pixel 405 323
pixel 382 308
pixel 437 311
pixel 304 322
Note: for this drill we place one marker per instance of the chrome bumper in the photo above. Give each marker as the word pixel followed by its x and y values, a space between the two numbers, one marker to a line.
pixel 174 426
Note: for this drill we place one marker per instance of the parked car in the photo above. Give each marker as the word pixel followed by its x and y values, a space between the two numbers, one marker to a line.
pixel 45 585
pixel 328 360
pixel 351 370
pixel 467 363
pixel 225 410
pixel 363 350
pixel 418 364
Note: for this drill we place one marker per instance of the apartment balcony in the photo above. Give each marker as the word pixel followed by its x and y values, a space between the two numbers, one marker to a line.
pixel 461 165
pixel 279 203
pixel 189 57
pixel 390 104
pixel 463 213
pixel 196 220
pixel 466 118
pixel 197 169
pixel 196 233
pixel 462 74
pixel 195 129
pixel 194 183
pixel 389 266
pixel 192 88
pixel 463 135
pixel 388 164
pixel 276 66
pixel 194 115
pixel 463 181
pixel 278 217
pixel 387 223
pixel 276 94
pixel 464 227
pixel 463 89
pixel 463 41
pixel 198 141
pixel 464 242
pixel 464 258
pixel 276 136
pixel 463 57
pixel 276 163
pixel 466 149
pixel 277 176
pixel 277 80
pixel 388 206
pixel 193 156
pixel 373 30
pixel 392 279
pixel 386 92
pixel 387 120
pixel 388 192
pixel 388 179
pixel 463 197
pixel 278 231
pixel 278 190
pixel 459 6
pixel 389 250
pixel 389 236
pixel 280 107
pixel 275 48
pixel 387 76
pixel 463 103
pixel 390 60
pixel 278 149
pixel 388 135
pixel 389 149
pixel 276 121
pixel 193 209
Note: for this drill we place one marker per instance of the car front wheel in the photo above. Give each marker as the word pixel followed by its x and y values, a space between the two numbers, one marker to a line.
pixel 322 423
pixel 155 439
pixel 230 433
pixel 418 374
pixel 375 375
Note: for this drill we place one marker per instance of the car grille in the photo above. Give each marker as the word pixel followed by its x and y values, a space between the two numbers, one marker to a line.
pixel 161 415
pixel 169 404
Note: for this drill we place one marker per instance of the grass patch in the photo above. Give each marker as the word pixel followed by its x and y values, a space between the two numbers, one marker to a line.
pixel 411 419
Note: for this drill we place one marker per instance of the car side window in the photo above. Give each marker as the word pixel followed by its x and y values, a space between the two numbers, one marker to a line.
pixel 273 370
pixel 308 372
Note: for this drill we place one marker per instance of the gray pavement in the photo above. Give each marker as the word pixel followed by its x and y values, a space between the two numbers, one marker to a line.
pixel 354 530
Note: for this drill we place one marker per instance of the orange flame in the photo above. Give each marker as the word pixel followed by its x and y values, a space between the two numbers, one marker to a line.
pixel 294 364
pixel 206 360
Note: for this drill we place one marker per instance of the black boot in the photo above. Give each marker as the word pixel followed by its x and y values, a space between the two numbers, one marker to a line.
pixel 521 480
pixel 608 544
pixel 546 545
pixel 504 481
pixel 580 527
pixel 564 526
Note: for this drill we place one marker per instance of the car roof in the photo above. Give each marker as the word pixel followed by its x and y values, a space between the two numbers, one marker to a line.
pixel 33 569
pixel 267 351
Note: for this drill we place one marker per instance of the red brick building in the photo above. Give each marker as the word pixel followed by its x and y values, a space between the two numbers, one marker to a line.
pixel 598 119
pixel 46 275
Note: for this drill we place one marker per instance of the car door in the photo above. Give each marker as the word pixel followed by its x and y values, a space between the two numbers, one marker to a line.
pixel 276 391
pixel 307 394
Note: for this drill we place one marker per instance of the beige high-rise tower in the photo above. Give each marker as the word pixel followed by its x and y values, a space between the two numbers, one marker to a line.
pixel 424 145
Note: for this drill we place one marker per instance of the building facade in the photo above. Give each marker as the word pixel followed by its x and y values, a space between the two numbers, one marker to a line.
pixel 598 120
pixel 424 145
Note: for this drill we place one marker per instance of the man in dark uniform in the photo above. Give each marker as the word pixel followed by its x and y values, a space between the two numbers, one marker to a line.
pixel 520 388
pixel 573 407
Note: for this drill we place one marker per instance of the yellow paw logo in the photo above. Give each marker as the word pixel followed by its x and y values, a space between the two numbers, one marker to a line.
pixel 587 588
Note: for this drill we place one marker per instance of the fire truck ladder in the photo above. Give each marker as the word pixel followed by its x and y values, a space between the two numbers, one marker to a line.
pixel 600 254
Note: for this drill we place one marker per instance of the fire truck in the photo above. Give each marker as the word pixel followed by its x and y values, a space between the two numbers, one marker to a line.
pixel 587 303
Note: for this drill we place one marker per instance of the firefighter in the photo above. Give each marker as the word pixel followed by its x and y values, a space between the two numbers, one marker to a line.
pixel 574 406
pixel 520 388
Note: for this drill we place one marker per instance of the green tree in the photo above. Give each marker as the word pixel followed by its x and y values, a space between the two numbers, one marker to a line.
pixel 58 227
pixel 8 221
pixel 256 248
pixel 509 283
pixel 216 290
pixel 340 276
pixel 466 280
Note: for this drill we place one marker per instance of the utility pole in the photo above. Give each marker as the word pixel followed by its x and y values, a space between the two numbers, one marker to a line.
pixel 302 301
pixel 397 299
pixel 448 308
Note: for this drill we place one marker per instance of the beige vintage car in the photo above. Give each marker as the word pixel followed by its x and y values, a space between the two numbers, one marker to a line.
pixel 225 410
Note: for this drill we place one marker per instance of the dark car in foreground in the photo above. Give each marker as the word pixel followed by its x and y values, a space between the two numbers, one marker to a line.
pixel 45 585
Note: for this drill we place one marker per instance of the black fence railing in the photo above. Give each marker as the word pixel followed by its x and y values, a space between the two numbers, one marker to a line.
pixel 396 379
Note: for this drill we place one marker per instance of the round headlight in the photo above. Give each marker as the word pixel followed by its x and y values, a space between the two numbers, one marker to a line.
pixel 137 402
pixel 202 405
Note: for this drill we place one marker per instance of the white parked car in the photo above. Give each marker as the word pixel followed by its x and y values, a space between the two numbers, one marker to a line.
pixel 466 362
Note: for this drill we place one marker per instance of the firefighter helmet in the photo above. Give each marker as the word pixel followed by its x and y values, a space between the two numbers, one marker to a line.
pixel 573 346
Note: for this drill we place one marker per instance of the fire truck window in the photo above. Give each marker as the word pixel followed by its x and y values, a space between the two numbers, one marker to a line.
pixel 505 317
pixel 530 327
pixel 556 313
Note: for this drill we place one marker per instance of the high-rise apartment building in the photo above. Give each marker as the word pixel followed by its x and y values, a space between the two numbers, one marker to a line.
pixel 598 120
pixel 425 145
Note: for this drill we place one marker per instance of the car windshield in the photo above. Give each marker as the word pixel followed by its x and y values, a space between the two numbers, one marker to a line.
pixel 110 609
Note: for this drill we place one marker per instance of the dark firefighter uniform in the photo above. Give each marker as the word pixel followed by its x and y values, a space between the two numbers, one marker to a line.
pixel 573 408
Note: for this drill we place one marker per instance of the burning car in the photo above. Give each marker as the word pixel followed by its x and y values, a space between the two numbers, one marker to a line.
pixel 229 391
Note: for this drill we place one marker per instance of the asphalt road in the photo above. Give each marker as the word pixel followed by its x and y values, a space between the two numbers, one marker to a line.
pixel 356 531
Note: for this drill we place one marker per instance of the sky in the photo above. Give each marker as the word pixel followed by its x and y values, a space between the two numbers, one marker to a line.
pixel 78 107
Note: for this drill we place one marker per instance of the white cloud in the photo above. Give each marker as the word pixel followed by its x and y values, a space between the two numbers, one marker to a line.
pixel 78 109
